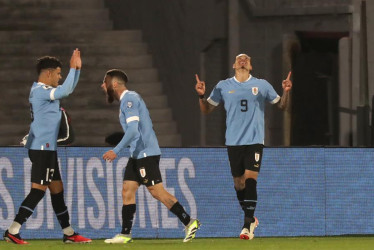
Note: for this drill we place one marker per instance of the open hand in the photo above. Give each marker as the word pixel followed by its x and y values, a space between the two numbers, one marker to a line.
pixel 75 60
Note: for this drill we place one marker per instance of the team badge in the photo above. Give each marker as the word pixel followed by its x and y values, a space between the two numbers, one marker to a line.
pixel 129 104
pixel 255 90
pixel 257 157
pixel 142 172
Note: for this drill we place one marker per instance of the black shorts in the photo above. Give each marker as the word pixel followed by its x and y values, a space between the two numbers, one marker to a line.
pixel 44 168
pixel 145 171
pixel 245 157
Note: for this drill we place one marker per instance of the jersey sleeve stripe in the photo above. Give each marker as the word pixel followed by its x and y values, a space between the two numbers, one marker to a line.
pixel 212 102
pixel 275 100
pixel 132 118
pixel 52 94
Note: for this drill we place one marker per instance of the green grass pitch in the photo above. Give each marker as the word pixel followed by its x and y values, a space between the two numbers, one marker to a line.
pixel 286 243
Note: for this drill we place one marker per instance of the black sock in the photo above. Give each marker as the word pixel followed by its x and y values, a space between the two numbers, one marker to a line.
pixel 60 209
pixel 128 212
pixel 250 201
pixel 179 211
pixel 240 196
pixel 28 205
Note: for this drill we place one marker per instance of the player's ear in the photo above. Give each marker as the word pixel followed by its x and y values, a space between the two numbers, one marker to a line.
pixel 114 84
pixel 233 66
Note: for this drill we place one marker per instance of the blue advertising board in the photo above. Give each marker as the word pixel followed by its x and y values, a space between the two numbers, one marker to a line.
pixel 301 192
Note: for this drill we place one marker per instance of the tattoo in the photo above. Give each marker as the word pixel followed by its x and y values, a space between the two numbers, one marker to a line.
pixel 285 100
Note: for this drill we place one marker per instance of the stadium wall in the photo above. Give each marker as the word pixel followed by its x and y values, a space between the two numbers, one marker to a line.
pixel 301 192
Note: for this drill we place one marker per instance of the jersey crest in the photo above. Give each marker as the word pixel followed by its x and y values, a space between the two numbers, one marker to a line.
pixel 254 90
pixel 142 172
pixel 257 157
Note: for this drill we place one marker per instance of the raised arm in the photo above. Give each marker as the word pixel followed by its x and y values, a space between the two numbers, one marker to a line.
pixel 287 86
pixel 205 106
pixel 71 80
pixel 78 66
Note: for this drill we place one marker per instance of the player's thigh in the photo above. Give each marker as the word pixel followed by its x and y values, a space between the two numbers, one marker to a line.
pixel 131 172
pixel 158 191
pixel 148 170
pixel 237 156
pixel 43 166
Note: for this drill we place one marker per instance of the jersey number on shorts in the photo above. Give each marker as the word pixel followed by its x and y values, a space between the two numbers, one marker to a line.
pixel 49 174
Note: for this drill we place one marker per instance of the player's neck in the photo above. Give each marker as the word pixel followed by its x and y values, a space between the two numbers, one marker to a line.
pixel 44 80
pixel 242 75
pixel 119 92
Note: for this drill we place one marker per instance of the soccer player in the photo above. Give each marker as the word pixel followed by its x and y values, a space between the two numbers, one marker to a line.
pixel 244 99
pixel 45 109
pixel 143 165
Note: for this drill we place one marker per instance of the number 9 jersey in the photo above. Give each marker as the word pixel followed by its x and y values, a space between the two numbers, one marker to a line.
pixel 244 103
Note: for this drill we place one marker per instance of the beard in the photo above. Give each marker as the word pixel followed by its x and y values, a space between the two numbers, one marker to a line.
pixel 110 95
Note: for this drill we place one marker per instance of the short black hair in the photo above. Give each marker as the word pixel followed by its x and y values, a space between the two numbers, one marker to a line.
pixel 47 62
pixel 118 74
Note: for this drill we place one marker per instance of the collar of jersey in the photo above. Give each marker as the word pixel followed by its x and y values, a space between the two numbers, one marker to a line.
pixel 249 78
pixel 123 94
pixel 43 84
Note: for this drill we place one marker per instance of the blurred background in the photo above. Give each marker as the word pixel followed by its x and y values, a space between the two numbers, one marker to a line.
pixel 328 45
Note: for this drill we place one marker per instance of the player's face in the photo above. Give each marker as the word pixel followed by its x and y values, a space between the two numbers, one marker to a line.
pixel 107 87
pixel 242 61
pixel 55 76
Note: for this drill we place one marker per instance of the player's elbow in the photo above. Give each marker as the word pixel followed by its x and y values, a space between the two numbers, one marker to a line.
pixel 132 131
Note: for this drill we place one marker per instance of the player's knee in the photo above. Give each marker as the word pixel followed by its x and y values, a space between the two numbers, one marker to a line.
pixel 128 195
pixel 239 183
pixel 39 187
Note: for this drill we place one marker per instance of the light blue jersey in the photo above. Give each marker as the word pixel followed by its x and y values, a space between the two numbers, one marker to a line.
pixel 45 112
pixel 244 104
pixel 138 128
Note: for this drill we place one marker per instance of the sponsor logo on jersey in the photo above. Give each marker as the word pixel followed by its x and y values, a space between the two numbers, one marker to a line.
pixel 257 156
pixel 255 90
pixel 129 104
pixel 142 172
pixel 231 91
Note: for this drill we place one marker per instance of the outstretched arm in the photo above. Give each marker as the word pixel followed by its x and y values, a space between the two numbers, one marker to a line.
pixel 78 66
pixel 287 86
pixel 71 80
pixel 205 106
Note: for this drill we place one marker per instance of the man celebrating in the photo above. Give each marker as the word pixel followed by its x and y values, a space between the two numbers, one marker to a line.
pixel 143 165
pixel 42 144
pixel 244 99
